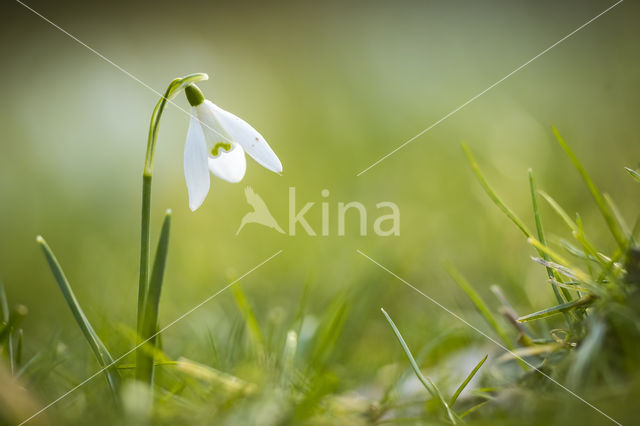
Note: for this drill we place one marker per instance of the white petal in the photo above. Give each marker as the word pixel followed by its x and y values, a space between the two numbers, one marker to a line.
pixel 196 171
pixel 230 165
pixel 252 141
pixel 213 130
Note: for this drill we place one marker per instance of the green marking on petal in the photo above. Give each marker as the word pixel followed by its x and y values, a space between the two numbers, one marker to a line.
pixel 226 146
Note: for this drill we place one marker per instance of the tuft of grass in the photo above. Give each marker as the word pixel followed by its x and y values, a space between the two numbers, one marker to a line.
pixel 516 220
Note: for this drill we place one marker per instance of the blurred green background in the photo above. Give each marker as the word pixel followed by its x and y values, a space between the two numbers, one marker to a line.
pixel 333 86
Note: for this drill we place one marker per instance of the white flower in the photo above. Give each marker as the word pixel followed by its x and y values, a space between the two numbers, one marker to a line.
pixel 216 142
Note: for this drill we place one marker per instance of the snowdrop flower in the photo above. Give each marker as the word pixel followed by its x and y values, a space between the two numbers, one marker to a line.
pixel 216 142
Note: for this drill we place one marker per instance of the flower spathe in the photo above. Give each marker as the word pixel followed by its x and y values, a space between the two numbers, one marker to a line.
pixel 216 142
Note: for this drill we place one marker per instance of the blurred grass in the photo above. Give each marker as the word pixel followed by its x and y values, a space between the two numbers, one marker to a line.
pixel 333 87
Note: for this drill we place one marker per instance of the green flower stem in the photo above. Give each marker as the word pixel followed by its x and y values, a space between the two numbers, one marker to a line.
pixel 173 89
pixel 149 291
pixel 144 246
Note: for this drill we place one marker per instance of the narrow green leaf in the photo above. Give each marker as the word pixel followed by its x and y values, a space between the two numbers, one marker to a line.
pixel 208 374
pixel 561 212
pixel 575 251
pixel 302 307
pixel 633 173
pixel 575 272
pixel 288 357
pixel 480 305
pixel 597 196
pixel 249 318
pixel 572 285
pixel 474 408
pixel 144 359
pixel 466 381
pixel 426 382
pixel 534 350
pixel 4 304
pixel 327 335
pixel 543 241
pixel 586 358
pixel 618 216
pixel 584 301
pixel 99 349
pixel 19 346
pixel 577 231
pixel 608 266
pixel 492 194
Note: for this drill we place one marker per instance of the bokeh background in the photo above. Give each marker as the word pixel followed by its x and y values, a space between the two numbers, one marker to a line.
pixel 333 86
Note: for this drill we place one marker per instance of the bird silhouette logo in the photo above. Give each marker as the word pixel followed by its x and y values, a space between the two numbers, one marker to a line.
pixel 260 213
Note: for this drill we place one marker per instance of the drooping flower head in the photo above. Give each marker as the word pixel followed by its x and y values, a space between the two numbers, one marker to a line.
pixel 217 141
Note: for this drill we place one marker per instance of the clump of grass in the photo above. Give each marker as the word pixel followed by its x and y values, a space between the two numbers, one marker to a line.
pixel 598 294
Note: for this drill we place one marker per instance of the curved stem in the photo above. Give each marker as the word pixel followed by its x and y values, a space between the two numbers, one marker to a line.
pixel 173 89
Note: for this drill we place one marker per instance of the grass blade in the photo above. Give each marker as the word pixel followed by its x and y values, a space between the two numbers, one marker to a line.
pixel 597 196
pixel 480 305
pixel 618 216
pixel 474 408
pixel 99 349
pixel 288 358
pixel 492 194
pixel 229 383
pixel 558 209
pixel 543 241
pixel 584 301
pixel 250 319
pixel 145 359
pixel 633 173
pixel 428 383
pixel 19 346
pixel 466 381
pixel 574 272
pixel 577 231
pixel 4 304
pixel 326 337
